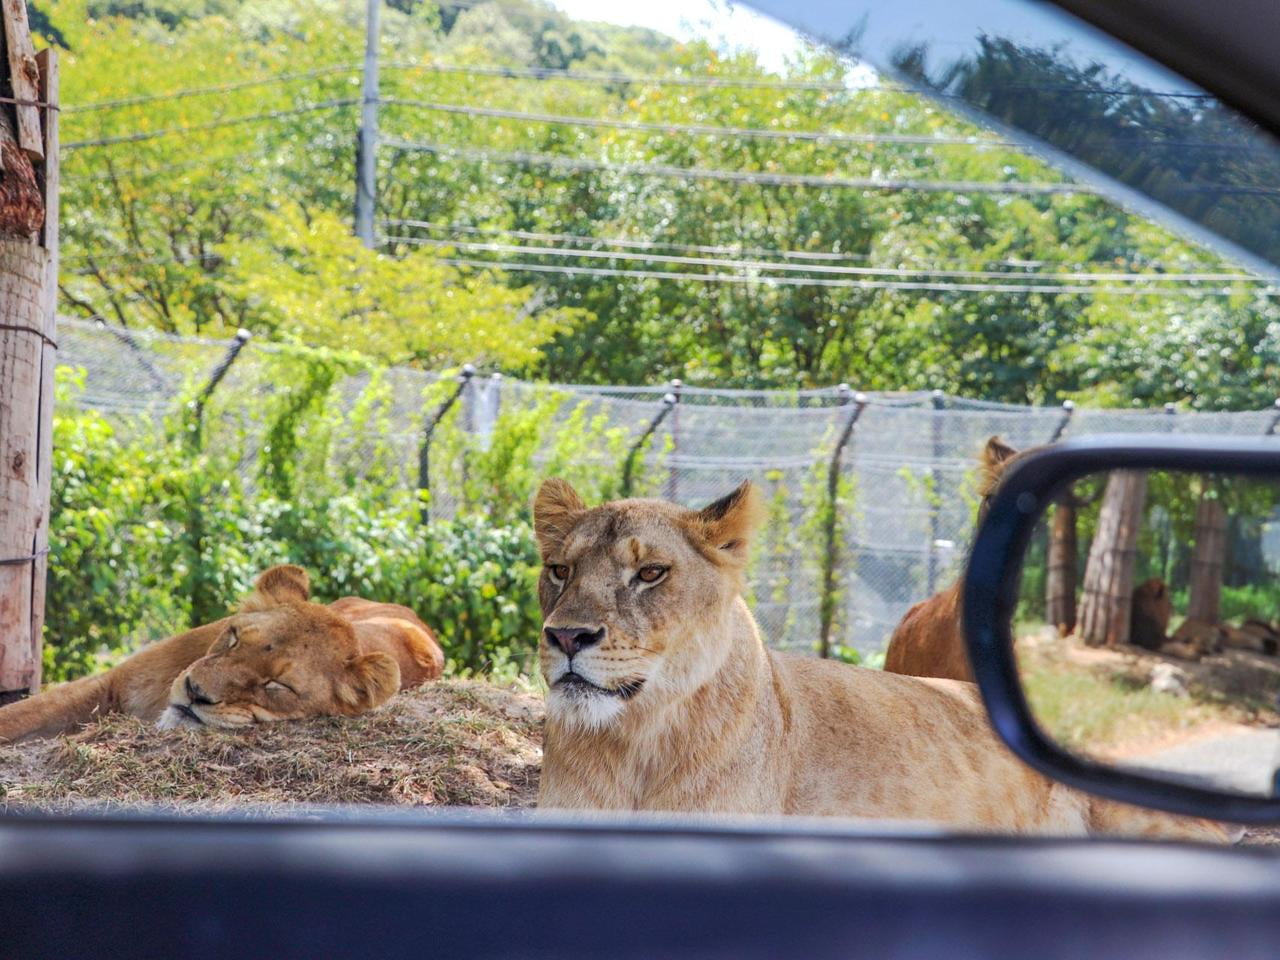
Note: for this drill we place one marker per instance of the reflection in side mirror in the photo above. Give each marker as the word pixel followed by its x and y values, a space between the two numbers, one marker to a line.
pixel 1147 628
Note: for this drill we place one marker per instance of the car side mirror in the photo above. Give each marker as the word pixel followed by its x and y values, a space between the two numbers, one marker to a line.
pixel 1122 615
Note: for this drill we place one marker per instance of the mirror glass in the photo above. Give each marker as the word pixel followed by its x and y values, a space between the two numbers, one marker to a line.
pixel 1148 625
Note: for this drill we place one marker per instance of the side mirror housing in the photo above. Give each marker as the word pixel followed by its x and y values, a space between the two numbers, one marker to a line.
pixel 1185 473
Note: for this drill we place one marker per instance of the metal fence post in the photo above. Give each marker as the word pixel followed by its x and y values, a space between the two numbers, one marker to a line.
pixel 215 378
pixel 939 400
pixel 677 387
pixel 1068 408
pixel 830 556
pixel 1275 420
pixel 424 449
pixel 628 466
pixel 201 594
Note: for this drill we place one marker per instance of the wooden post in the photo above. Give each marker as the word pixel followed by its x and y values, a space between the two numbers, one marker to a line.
pixel 1206 561
pixel 1108 576
pixel 1060 581
pixel 28 298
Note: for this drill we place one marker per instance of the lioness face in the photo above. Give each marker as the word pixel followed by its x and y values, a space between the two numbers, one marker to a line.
pixel 628 590
pixel 281 658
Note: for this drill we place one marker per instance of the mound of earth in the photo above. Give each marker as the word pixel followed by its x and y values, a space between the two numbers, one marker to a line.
pixel 452 743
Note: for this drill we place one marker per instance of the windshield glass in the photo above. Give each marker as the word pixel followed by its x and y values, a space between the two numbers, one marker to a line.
pixel 1103 112
pixel 369 319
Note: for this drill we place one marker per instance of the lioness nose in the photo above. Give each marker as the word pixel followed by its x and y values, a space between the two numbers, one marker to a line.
pixel 195 693
pixel 573 639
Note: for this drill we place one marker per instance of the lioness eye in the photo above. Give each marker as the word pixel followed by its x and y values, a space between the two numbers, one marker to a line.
pixel 558 571
pixel 651 574
pixel 277 685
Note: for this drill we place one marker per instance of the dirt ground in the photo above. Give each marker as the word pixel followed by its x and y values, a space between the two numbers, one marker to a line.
pixel 453 743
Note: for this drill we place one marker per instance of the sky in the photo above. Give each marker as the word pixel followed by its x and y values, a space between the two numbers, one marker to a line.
pixel 727 24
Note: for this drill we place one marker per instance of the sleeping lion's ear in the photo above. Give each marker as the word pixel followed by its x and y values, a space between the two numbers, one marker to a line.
pixel 728 524
pixel 555 509
pixel 283 583
pixel 367 681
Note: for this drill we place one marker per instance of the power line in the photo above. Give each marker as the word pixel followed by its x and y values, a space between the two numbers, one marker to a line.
pixel 210 125
pixel 761 83
pixel 136 262
pixel 163 168
pixel 985 288
pixel 668 80
pixel 784 267
pixel 825 256
pixel 700 129
pixel 632 244
pixel 738 176
pixel 207 91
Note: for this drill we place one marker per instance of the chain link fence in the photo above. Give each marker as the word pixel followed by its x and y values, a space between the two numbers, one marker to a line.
pixel 897 466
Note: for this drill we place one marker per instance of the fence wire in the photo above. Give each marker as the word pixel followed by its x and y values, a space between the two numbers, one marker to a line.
pixel 905 476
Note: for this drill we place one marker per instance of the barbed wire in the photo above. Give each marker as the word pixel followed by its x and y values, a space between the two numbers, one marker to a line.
pixel 182 94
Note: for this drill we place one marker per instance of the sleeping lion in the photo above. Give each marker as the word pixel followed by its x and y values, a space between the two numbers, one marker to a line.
pixel 280 657
pixel 661 695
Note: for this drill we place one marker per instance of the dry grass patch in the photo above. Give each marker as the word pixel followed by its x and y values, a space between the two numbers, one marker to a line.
pixel 452 743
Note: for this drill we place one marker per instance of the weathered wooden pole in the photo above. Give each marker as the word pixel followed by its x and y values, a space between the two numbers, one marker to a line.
pixel 28 300
pixel 1108 576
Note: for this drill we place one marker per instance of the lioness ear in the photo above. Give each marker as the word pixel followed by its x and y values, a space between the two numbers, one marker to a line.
pixel 728 524
pixel 991 464
pixel 555 508
pixel 283 583
pixel 368 681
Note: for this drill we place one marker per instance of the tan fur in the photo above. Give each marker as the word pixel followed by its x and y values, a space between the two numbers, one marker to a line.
pixel 929 640
pixel 341 659
pixel 1255 635
pixel 679 706
pixel 1149 614
pixel 1194 639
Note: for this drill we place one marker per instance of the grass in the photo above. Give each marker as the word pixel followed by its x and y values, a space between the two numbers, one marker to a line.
pixel 1088 709
pixel 452 743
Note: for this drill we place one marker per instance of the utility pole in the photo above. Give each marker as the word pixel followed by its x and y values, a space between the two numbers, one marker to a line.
pixel 367 145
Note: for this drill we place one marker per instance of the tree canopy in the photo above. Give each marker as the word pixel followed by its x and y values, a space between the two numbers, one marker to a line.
pixel 698 253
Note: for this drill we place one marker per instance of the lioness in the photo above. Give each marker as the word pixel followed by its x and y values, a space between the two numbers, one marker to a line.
pixel 281 657
pixel 928 641
pixel 663 697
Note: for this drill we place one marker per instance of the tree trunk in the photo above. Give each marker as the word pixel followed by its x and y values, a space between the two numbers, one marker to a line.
pixel 1060 583
pixel 28 287
pixel 1206 561
pixel 1108 576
